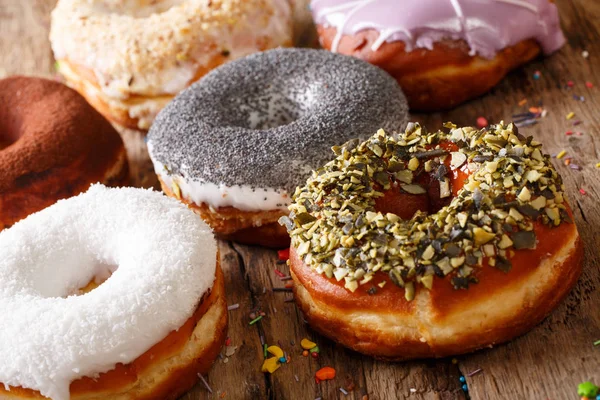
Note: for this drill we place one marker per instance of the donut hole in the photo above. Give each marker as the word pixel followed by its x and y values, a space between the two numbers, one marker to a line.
pixel 268 108
pixel 136 8
pixel 7 139
pixel 102 272
pixel 72 277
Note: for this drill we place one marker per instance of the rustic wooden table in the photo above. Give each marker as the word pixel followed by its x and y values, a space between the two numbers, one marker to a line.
pixel 547 363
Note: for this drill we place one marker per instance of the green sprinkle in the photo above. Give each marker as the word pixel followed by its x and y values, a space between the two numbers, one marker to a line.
pixel 587 389
pixel 597 343
pixel 255 320
pixel 264 347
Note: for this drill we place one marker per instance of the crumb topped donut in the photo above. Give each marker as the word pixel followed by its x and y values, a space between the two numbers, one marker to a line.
pixel 129 58
pixel 442 52
pixel 235 145
pixel 432 244
pixel 154 321
pixel 53 145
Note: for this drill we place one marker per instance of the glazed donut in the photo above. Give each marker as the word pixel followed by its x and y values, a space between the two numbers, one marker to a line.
pixel 54 146
pixel 235 145
pixel 442 53
pixel 129 58
pixel 432 244
pixel 156 322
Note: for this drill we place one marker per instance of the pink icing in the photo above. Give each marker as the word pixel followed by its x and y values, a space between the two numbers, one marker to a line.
pixel 486 25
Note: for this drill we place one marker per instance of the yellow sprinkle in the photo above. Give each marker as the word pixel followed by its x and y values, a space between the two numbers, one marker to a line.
pixel 570 115
pixel 270 365
pixel 561 154
pixel 598 165
pixel 276 351
pixel 181 57
pixel 307 344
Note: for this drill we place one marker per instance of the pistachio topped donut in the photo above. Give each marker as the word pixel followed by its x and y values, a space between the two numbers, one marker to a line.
pixel 432 244
pixel 236 144
pixel 129 58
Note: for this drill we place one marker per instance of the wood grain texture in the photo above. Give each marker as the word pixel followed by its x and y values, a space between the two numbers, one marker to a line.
pixel 546 363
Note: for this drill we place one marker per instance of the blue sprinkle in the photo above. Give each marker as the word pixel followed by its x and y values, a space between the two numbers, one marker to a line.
pixel 282 360
pixel 465 388
pixel 598 397
pixel 462 379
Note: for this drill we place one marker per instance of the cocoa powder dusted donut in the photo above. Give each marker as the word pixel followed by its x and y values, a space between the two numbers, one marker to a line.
pixel 442 52
pixel 432 244
pixel 235 145
pixel 53 145
pixel 130 58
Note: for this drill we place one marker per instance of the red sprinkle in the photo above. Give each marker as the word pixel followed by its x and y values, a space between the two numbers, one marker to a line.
pixel 228 341
pixel 582 191
pixel 482 122
pixel 570 84
pixel 284 255
pixel 279 273
pixel 569 133
pixel 589 85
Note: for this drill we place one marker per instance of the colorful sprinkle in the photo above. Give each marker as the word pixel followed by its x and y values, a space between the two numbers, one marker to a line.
pixel 307 344
pixel 597 342
pixel 255 320
pixel 585 54
pixel 568 133
pixel 582 191
pixel 482 122
pixel 478 370
pixel 276 351
pixel 205 383
pixel 305 353
pixel 537 75
pixel 283 255
pixel 270 365
pixel 462 379
pixel 587 389
pixel 561 154
pixel 522 102
pixel 279 273
pixel 233 307
pixel 589 85
pixel 570 83
pixel 344 391
pixel 465 388
pixel 324 374
pixel 570 115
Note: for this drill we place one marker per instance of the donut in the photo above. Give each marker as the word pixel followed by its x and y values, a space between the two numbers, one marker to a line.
pixel 235 145
pixel 442 53
pixel 113 294
pixel 432 244
pixel 53 145
pixel 129 59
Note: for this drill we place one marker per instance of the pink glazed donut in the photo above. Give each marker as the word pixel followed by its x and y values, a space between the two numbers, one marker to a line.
pixel 441 52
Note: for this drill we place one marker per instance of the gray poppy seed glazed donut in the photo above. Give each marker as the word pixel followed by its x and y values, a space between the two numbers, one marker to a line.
pixel 235 145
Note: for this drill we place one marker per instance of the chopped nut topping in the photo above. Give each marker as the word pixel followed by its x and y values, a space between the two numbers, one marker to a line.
pixel 337 230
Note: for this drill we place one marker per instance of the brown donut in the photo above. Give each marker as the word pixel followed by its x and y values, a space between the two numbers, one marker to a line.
pixel 402 271
pixel 53 145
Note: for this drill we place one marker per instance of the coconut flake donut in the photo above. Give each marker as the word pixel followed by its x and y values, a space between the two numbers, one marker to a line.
pixel 53 145
pixel 129 58
pixel 442 52
pixel 155 323
pixel 235 145
pixel 432 244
